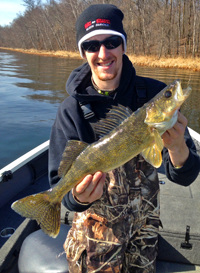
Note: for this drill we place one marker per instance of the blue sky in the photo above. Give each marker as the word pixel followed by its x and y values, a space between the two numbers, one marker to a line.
pixel 9 10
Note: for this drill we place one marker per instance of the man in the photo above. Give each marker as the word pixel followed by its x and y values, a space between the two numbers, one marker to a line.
pixel 116 229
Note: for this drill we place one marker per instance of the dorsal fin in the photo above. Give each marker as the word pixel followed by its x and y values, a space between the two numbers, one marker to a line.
pixel 72 150
pixel 113 119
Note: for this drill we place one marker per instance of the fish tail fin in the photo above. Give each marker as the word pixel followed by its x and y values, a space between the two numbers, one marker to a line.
pixel 39 207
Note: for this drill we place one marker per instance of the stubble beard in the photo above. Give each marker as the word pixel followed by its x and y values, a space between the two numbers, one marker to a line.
pixel 105 76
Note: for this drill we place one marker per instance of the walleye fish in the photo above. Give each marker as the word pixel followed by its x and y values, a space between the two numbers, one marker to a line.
pixel 123 136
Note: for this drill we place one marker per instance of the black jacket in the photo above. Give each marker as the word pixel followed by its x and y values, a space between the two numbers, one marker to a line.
pixel 71 124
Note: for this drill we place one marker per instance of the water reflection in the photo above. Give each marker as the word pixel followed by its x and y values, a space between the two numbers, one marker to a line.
pixel 33 86
pixel 31 89
pixel 41 74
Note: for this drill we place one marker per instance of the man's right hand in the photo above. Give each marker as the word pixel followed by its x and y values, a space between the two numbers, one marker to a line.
pixel 90 188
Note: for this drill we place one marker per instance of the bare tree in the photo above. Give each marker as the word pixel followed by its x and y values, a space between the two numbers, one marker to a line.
pixel 194 27
pixel 158 27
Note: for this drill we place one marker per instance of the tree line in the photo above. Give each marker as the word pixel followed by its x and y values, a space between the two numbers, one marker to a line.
pixel 158 27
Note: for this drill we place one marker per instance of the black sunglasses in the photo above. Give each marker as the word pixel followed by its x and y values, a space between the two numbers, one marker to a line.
pixel 94 45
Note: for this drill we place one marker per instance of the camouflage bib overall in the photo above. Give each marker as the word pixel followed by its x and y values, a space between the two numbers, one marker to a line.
pixel 119 232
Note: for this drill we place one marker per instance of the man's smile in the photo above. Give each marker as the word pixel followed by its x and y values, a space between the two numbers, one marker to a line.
pixel 105 64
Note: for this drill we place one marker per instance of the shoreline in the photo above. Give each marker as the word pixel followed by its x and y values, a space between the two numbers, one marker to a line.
pixel 151 61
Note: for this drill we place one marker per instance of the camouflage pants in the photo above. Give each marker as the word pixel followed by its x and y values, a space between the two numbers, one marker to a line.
pixel 119 232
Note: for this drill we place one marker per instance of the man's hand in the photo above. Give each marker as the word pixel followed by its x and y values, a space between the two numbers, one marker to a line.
pixel 90 188
pixel 174 141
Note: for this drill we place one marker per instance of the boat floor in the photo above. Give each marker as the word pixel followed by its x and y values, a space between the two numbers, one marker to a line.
pixel 179 208
pixel 168 267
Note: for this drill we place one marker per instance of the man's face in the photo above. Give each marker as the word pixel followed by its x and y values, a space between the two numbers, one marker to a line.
pixel 106 64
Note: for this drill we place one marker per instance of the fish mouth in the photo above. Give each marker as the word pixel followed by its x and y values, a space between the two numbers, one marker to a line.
pixel 181 94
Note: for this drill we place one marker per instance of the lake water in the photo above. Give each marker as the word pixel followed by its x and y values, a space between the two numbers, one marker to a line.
pixel 33 86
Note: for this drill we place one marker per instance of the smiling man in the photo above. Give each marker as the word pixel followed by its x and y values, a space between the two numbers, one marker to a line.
pixel 106 62
pixel 116 225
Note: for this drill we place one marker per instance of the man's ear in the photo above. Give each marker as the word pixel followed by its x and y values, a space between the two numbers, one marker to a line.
pixel 84 56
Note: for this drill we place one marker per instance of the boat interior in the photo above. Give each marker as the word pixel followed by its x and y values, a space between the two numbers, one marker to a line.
pixel 179 239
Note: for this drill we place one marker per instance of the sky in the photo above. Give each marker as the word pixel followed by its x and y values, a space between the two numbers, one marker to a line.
pixel 9 10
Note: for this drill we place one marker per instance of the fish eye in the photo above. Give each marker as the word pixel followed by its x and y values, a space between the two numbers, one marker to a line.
pixel 168 94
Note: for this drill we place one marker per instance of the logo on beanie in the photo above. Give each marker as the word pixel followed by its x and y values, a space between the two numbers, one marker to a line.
pixel 97 23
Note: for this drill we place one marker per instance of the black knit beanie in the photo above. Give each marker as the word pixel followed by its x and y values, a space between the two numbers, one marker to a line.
pixel 99 19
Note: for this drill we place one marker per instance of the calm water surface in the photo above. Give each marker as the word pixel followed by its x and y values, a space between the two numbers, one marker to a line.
pixel 32 87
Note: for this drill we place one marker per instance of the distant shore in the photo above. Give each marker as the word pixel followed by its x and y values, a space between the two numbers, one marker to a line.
pixel 151 61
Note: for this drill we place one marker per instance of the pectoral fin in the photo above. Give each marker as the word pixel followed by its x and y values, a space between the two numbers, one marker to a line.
pixel 158 139
pixel 153 154
pixel 71 152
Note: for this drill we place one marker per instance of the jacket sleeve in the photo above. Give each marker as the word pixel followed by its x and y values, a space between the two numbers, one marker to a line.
pixel 190 170
pixel 62 131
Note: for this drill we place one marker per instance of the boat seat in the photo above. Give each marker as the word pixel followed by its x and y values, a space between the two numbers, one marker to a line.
pixel 41 253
